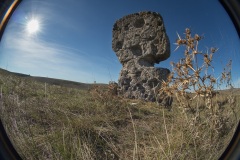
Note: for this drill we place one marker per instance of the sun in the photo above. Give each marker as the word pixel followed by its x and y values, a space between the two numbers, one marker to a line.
pixel 33 26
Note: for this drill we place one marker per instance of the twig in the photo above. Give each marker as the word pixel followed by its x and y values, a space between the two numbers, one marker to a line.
pixel 135 151
pixel 169 147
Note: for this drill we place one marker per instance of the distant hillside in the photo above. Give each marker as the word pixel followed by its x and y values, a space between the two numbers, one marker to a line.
pixel 72 84
pixel 52 81
pixel 60 82
pixel 235 91
pixel 3 71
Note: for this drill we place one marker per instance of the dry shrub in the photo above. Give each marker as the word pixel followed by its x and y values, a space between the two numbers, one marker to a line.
pixel 194 87
pixel 191 80
pixel 105 93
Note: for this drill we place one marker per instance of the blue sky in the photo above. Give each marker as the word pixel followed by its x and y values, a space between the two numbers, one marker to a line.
pixel 75 37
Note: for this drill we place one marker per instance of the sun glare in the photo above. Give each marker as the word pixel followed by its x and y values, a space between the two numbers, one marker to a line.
pixel 33 26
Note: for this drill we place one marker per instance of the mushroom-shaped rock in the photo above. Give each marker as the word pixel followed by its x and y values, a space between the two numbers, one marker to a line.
pixel 140 41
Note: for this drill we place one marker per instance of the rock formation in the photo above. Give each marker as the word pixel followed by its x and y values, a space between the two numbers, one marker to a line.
pixel 140 41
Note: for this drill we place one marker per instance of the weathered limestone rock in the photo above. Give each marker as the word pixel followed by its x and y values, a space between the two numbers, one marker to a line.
pixel 140 41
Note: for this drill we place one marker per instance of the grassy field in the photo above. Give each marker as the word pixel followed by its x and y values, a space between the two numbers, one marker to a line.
pixel 47 121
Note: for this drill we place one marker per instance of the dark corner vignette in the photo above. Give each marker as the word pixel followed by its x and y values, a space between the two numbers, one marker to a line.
pixel 233 9
pixel 232 151
pixel 7 151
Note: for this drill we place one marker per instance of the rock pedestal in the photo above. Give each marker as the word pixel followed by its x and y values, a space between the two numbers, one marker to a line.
pixel 140 41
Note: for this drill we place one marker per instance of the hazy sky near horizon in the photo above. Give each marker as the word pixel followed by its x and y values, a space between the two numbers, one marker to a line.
pixel 74 41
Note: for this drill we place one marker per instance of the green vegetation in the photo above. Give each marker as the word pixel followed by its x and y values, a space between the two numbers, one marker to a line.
pixel 47 121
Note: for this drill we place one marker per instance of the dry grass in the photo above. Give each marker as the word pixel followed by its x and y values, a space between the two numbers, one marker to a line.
pixel 64 123
pixel 52 122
